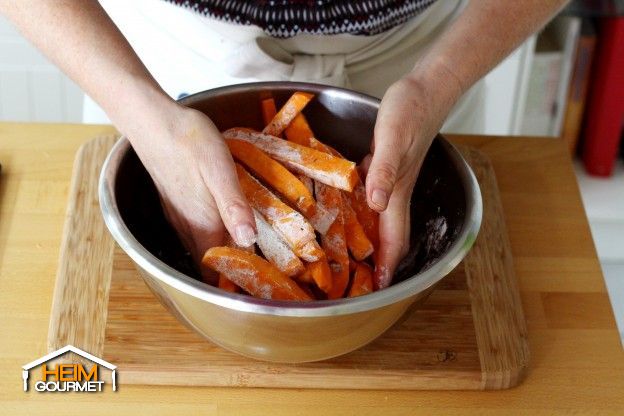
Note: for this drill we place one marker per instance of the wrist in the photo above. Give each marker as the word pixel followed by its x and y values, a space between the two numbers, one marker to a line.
pixel 437 77
pixel 143 110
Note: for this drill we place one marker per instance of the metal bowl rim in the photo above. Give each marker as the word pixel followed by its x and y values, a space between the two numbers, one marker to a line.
pixel 243 303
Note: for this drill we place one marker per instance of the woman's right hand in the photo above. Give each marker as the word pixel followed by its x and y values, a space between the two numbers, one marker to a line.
pixel 194 173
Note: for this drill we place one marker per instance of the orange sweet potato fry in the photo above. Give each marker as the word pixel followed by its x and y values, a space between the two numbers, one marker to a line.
pixel 319 145
pixel 320 274
pixel 253 273
pixel 334 241
pixel 306 276
pixel 312 250
pixel 275 250
pixel 362 281
pixel 357 241
pixel 225 283
pixel 294 229
pixel 274 174
pixel 340 276
pixel 299 131
pixel 352 265
pixel 269 110
pixel 330 170
pixel 358 238
pixel 368 218
pixel 288 112
pixel 307 182
pixel 320 219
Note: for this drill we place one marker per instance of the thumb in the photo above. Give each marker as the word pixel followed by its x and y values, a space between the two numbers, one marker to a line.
pixel 219 175
pixel 384 167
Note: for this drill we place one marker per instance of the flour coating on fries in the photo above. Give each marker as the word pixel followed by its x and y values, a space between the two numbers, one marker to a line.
pixel 316 234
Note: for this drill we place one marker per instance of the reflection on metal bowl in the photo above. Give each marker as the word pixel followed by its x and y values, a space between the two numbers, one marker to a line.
pixel 445 216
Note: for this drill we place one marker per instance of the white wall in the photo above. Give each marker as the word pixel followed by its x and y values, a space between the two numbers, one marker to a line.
pixel 31 88
pixel 507 90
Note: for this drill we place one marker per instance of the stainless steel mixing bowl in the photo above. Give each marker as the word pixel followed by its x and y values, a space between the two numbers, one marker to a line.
pixel 445 214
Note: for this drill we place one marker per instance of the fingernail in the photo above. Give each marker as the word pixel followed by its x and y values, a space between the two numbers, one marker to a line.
pixel 379 198
pixel 245 235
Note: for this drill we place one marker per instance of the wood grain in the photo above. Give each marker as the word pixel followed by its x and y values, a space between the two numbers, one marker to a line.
pixel 577 360
pixel 80 300
pixel 499 322
pixel 470 334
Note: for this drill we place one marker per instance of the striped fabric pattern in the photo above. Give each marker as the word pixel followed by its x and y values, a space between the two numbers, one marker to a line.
pixel 286 18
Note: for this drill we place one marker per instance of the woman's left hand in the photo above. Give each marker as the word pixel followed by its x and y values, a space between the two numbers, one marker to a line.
pixel 411 114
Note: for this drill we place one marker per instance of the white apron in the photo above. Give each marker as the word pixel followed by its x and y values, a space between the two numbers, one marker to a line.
pixel 187 52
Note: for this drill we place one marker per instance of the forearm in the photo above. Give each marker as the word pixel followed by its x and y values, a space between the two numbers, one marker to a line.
pixel 79 37
pixel 482 36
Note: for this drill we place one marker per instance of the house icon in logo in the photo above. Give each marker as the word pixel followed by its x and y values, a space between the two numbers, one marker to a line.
pixel 68 348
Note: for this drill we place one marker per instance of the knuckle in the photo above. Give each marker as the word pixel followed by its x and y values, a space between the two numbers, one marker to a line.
pixel 235 207
pixel 385 173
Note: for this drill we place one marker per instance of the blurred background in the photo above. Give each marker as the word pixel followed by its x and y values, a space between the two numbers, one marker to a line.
pixel 566 82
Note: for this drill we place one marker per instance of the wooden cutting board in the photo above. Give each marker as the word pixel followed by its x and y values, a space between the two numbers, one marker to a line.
pixel 470 333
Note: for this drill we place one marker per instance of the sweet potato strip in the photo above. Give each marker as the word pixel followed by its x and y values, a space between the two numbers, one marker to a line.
pixel 289 224
pixel 362 281
pixel 319 145
pixel 368 218
pixel 299 131
pixel 269 110
pixel 340 279
pixel 352 265
pixel 322 218
pixel 288 112
pixel 334 241
pixel 307 182
pixel 225 283
pixel 320 274
pixel 323 167
pixel 274 174
pixel 319 218
pixel 311 252
pixel 275 250
pixel 357 241
pixel 306 276
pixel 253 273
pixel 281 180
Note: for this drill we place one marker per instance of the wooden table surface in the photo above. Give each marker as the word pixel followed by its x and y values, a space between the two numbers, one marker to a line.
pixel 577 361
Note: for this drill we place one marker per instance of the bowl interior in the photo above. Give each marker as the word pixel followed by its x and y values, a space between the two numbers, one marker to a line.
pixel 340 118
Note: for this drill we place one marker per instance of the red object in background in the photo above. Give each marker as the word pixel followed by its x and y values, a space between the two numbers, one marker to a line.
pixel 605 110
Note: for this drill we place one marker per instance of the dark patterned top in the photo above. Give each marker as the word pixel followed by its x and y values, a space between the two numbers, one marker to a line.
pixel 285 18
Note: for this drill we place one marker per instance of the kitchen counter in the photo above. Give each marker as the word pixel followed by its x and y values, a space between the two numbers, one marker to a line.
pixel 577 361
